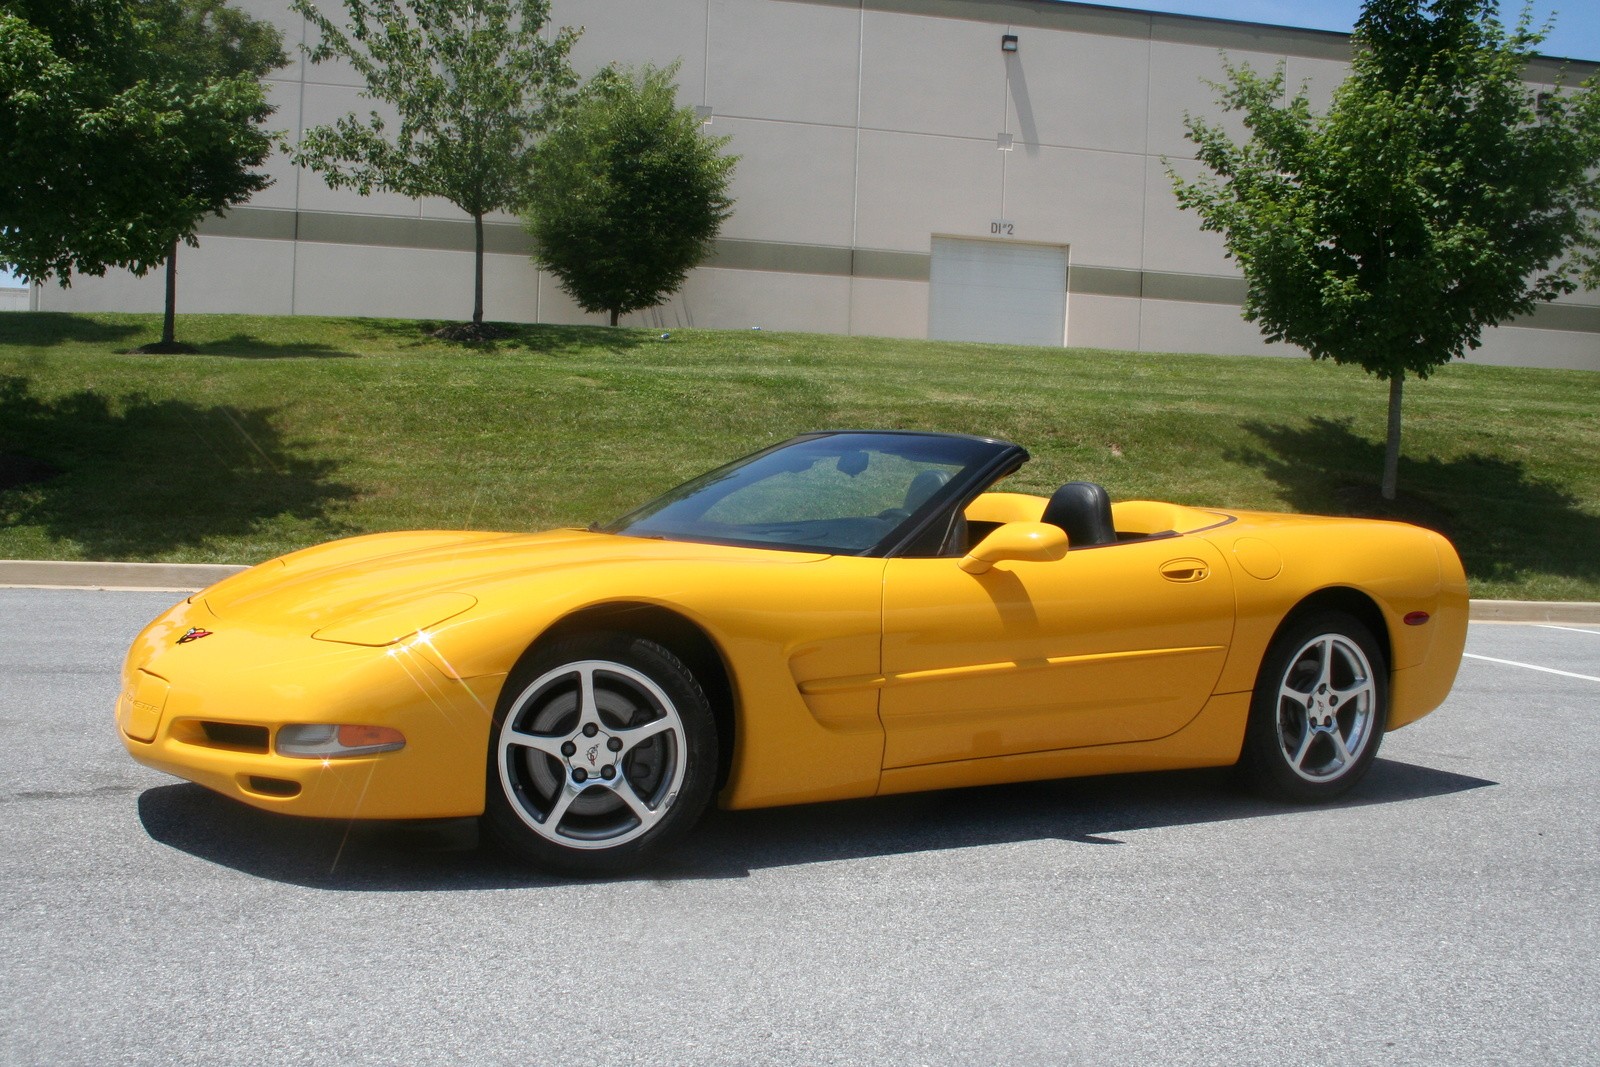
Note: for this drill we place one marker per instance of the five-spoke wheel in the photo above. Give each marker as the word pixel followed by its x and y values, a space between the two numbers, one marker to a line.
pixel 1319 709
pixel 604 750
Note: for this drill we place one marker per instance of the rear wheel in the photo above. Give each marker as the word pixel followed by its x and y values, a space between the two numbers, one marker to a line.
pixel 1319 709
pixel 603 753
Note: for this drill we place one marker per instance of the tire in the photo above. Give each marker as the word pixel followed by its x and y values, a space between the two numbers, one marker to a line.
pixel 603 753
pixel 1319 710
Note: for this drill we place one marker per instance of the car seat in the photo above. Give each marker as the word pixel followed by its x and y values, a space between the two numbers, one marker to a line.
pixel 1083 510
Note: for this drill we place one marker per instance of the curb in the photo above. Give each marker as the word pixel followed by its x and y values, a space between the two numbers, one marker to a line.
pixel 189 577
pixel 1535 611
pixel 63 574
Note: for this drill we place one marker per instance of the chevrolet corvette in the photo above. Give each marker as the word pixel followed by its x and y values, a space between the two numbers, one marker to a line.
pixel 845 614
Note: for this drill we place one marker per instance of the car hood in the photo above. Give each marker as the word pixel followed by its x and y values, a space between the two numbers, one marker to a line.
pixel 388 582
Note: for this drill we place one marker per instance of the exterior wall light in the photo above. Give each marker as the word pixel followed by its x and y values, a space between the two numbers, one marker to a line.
pixel 703 113
pixel 1008 42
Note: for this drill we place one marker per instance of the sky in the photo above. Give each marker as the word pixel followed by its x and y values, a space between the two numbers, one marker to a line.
pixel 1576 33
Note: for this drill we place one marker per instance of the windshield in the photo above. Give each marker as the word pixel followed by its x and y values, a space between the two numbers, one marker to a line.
pixel 843 493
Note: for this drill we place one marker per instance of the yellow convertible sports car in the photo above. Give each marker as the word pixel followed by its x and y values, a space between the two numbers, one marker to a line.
pixel 842 615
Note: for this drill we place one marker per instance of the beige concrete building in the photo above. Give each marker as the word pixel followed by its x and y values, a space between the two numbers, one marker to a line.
pixel 987 170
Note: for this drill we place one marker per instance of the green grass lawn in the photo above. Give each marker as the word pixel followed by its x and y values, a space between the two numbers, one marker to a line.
pixel 283 432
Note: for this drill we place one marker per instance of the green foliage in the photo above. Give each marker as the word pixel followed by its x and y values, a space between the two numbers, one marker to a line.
pixel 204 42
pixel 206 39
pixel 283 431
pixel 1437 197
pixel 122 126
pixel 471 83
pixel 630 192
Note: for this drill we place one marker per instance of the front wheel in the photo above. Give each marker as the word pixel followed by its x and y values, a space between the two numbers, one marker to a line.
pixel 1319 709
pixel 603 752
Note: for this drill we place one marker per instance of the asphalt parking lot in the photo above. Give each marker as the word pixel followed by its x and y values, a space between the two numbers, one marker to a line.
pixel 1446 913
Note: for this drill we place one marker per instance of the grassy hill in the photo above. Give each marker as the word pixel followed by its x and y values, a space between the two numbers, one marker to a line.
pixel 286 431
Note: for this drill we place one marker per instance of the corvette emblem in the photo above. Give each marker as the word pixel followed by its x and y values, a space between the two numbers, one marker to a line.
pixel 593 751
pixel 194 634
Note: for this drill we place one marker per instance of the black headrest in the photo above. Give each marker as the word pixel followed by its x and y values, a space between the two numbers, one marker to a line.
pixel 1083 510
pixel 923 486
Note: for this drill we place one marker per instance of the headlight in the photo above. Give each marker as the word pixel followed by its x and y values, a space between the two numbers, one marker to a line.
pixel 330 740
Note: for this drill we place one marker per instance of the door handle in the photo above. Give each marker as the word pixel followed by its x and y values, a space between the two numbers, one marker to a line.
pixel 1185 570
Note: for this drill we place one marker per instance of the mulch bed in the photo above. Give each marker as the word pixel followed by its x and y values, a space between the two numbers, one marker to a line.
pixel 472 332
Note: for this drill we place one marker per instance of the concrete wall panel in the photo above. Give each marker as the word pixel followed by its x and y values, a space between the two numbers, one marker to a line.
pixel 226 275
pixel 557 307
pixel 932 75
pixel 117 291
pixel 1218 329
pixel 632 33
pixel 510 289
pixel 406 283
pixel 325 104
pixel 1319 76
pixel 913 186
pixel 739 299
pixel 1078 91
pixel 1586 297
pixel 793 182
pixel 1178 77
pixel 1518 346
pixel 1102 321
pixel 286 177
pixel 330 71
pixel 881 307
pixel 1173 239
pixel 234 274
pixel 1089 200
pixel 789 62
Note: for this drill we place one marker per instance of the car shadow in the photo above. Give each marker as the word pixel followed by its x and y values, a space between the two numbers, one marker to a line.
pixel 131 477
pixel 446 855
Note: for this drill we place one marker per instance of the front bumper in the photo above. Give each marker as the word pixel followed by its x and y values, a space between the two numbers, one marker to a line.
pixel 209 711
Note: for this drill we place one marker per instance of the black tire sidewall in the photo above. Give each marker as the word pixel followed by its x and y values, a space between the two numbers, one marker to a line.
pixel 506 828
pixel 1262 760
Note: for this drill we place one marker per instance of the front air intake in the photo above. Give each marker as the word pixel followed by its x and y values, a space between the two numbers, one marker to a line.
pixel 235 736
pixel 273 787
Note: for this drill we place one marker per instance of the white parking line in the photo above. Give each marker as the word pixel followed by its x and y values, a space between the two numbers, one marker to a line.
pixel 1531 667
pixel 1569 629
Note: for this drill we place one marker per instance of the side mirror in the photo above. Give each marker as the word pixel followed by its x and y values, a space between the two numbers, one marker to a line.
pixel 1036 542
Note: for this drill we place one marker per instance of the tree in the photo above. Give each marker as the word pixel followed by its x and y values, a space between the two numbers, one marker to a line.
pixel 112 144
pixel 71 108
pixel 1436 197
pixel 630 192
pixel 205 43
pixel 473 82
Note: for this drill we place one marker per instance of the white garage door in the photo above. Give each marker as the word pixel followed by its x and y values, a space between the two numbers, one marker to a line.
pixel 997 292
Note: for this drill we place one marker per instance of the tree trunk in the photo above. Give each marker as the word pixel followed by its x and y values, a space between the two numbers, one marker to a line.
pixel 169 322
pixel 614 314
pixel 477 281
pixel 1391 452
